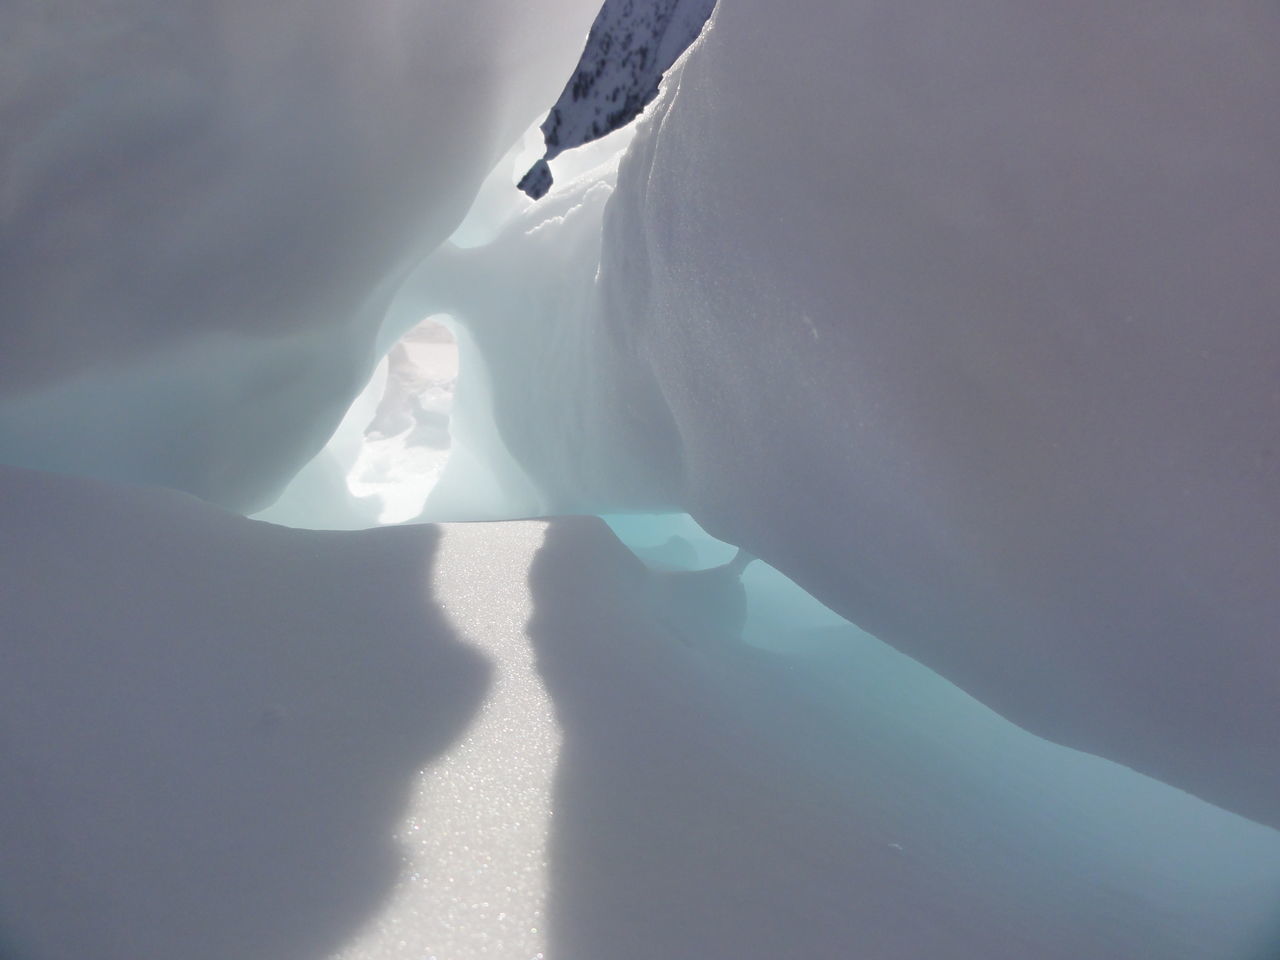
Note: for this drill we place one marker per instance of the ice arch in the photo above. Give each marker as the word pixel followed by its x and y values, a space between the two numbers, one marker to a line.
pixel 392 445
pixel 207 211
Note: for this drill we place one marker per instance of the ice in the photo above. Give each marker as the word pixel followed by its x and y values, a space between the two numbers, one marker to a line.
pixel 208 724
pixel 391 447
pixel 961 325
pixel 205 218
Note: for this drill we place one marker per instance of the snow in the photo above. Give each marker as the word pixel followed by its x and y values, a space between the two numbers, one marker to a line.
pixel 958 319
pixel 630 47
pixel 391 446
pixel 497 740
pixel 204 219
pixel 962 326
pixel 474 838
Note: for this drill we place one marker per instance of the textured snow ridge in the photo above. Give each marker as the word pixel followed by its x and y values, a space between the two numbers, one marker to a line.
pixel 224 738
pixel 631 45
pixel 982 358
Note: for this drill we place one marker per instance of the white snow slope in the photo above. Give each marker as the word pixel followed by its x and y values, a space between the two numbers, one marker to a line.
pixel 223 738
pixel 630 46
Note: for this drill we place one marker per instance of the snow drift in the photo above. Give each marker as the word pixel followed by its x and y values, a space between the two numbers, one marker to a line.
pixel 227 738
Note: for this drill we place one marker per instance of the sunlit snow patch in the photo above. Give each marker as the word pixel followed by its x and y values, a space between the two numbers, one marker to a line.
pixel 473 878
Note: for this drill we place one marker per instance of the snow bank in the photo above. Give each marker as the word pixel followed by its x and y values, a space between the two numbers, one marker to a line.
pixel 496 740
pixel 209 725
pixel 963 319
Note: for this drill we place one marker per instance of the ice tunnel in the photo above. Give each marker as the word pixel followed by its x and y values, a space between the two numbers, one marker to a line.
pixel 661 479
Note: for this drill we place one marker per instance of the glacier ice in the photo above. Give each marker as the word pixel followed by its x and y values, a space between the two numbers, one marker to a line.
pixel 208 723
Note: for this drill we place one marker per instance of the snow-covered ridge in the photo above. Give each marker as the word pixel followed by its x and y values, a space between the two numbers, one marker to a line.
pixel 631 46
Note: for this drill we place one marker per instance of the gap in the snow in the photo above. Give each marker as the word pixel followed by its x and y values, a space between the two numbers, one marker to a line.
pixel 390 449
pixel 405 446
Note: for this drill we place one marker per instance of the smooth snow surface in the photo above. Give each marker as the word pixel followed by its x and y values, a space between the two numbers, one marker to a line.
pixel 474 837
pixel 209 724
pixel 964 318
pixel 500 740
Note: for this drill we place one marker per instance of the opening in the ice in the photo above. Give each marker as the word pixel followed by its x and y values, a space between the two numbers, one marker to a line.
pixel 386 456
pixel 406 444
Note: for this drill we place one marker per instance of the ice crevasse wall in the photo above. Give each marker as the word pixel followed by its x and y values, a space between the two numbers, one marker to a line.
pixel 963 318
pixel 207 210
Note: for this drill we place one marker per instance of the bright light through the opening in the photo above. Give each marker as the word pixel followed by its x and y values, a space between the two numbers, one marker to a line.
pixel 407 442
